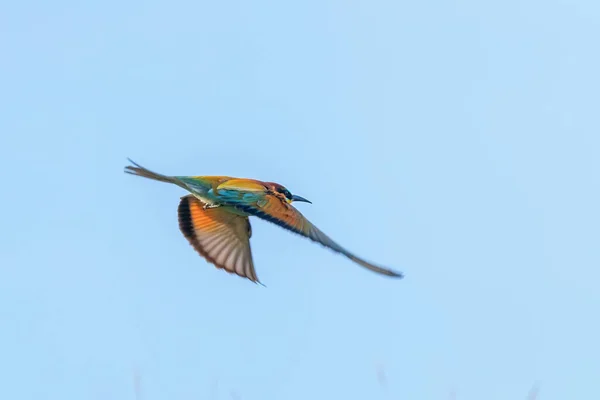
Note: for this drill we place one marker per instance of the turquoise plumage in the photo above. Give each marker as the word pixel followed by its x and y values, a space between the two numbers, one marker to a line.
pixel 214 218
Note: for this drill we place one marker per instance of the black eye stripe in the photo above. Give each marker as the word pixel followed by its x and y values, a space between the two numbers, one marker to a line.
pixel 285 192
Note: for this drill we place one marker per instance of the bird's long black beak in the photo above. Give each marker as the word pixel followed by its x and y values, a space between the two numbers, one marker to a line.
pixel 300 198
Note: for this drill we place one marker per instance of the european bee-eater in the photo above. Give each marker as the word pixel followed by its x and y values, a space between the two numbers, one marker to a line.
pixel 214 218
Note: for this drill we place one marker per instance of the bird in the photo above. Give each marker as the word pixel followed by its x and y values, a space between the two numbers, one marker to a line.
pixel 214 218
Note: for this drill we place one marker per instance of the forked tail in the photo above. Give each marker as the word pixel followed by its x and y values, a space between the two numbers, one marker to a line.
pixel 138 170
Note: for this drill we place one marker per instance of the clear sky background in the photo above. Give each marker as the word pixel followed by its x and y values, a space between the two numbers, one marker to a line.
pixel 455 141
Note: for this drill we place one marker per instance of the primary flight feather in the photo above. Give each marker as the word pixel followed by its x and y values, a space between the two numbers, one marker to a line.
pixel 214 218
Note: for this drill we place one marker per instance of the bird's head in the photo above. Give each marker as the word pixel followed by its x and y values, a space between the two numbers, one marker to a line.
pixel 284 194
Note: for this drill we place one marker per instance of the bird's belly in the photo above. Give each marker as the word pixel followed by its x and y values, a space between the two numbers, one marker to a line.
pixel 206 198
pixel 200 192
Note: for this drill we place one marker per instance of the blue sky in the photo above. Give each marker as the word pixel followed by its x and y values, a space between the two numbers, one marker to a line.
pixel 455 141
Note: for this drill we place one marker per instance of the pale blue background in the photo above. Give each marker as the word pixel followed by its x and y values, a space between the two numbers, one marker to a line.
pixel 455 141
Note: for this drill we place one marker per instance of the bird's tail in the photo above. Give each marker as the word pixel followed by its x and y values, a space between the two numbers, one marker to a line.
pixel 138 170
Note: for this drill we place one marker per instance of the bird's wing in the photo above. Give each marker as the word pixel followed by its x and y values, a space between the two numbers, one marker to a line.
pixel 272 209
pixel 219 235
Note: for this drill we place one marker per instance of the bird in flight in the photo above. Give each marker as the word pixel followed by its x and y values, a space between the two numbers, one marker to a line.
pixel 214 218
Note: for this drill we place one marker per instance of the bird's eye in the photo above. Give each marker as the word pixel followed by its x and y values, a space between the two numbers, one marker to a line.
pixel 285 192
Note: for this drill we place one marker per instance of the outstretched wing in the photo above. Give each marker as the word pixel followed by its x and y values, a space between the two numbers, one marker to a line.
pixel 220 236
pixel 272 209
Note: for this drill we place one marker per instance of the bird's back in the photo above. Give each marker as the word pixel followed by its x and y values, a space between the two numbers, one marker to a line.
pixel 217 189
pixel 216 180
